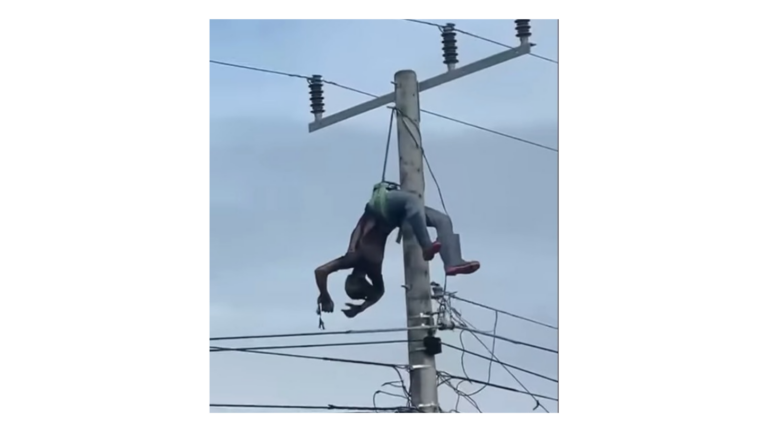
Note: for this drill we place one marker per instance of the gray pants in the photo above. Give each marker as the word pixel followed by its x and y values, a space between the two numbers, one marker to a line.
pixel 404 207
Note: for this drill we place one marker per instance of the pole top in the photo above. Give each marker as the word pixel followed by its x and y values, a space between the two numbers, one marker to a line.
pixel 404 72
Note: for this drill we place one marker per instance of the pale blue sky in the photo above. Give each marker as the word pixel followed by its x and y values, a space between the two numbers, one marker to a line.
pixel 273 184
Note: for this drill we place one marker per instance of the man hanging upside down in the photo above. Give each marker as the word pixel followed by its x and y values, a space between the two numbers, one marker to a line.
pixel 388 209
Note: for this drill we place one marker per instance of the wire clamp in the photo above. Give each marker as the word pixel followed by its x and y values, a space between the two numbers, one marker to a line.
pixel 320 323
pixel 437 290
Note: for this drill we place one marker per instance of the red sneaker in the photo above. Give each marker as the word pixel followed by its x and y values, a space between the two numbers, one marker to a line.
pixel 468 267
pixel 430 253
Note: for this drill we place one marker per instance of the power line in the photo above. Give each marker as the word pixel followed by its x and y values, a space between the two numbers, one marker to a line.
pixel 400 384
pixel 269 71
pixel 308 357
pixel 397 384
pixel 342 332
pixel 459 394
pixel 503 312
pixel 482 38
pixel 490 363
pixel 544 58
pixel 505 339
pixel 538 403
pixel 406 395
pixel 485 129
pixel 380 392
pixel 321 345
pixel 498 386
pixel 350 89
pixel 312 407
pixel 291 75
pixel 425 23
pixel 444 117
pixel 494 360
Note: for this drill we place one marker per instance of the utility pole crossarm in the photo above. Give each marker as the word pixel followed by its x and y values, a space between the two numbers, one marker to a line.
pixel 423 86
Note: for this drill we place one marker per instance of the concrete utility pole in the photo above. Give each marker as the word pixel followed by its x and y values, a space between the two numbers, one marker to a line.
pixel 418 294
pixel 406 98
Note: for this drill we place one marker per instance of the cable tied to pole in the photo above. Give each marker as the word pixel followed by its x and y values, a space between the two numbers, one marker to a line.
pixel 423 152
pixel 386 149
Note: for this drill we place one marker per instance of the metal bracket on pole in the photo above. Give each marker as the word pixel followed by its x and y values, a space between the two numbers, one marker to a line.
pixel 423 86
pixel 420 366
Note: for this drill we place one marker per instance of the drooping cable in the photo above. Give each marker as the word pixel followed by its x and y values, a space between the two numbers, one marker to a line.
pixel 444 380
pixel 501 363
pixel 498 386
pixel 503 312
pixel 506 339
pixel 468 324
pixel 490 363
pixel 445 117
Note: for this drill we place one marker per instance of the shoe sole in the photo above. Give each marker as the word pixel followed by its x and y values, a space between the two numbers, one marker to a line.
pixel 466 269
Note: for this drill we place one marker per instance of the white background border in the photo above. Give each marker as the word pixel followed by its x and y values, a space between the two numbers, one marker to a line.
pixel 104 217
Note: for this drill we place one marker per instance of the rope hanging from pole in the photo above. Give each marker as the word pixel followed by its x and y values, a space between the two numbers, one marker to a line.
pixel 386 150
pixel 386 159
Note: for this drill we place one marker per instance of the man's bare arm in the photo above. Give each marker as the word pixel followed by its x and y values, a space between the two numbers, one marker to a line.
pixel 321 273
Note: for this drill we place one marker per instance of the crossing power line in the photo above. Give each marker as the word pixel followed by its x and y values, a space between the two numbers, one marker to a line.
pixel 476 36
pixel 352 89
pixel 503 312
pixel 467 324
pixel 498 386
pixel 459 394
pixel 493 359
pixel 309 357
pixel 493 353
pixel 318 345
pixel 323 333
pixel 505 339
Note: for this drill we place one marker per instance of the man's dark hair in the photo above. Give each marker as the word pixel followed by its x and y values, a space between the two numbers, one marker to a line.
pixel 357 287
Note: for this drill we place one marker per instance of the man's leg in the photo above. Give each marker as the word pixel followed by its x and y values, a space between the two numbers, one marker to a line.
pixel 404 207
pixel 450 251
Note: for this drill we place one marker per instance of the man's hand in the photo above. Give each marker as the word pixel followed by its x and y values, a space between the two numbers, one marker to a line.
pixel 352 310
pixel 325 302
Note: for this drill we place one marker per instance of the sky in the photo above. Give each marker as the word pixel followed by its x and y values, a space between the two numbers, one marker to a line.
pixel 284 201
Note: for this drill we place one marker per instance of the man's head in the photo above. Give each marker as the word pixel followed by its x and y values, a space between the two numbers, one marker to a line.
pixel 357 287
